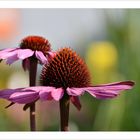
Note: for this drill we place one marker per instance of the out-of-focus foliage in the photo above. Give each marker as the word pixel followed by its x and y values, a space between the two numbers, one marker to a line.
pixel 115 56
pixel 121 113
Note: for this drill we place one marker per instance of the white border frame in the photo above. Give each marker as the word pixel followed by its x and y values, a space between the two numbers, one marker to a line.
pixel 69 4
pixel 69 136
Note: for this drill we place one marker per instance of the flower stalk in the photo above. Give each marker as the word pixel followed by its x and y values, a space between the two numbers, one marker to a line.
pixel 32 79
pixel 64 112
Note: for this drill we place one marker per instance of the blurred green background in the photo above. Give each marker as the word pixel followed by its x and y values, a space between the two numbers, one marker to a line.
pixel 108 40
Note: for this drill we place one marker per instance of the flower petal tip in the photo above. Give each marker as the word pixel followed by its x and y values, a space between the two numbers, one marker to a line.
pixel 41 57
pixel 130 83
pixel 79 108
pixel 76 102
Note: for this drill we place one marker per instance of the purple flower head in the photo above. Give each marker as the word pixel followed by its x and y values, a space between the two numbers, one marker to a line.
pixel 35 47
pixel 65 74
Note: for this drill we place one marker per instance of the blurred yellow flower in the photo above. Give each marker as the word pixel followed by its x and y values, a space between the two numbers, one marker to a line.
pixel 103 55
pixel 101 59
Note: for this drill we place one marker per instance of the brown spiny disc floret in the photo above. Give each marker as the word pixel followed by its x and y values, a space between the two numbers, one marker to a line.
pixel 66 69
pixel 35 43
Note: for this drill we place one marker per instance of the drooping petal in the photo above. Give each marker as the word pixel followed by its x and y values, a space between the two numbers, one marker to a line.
pixel 46 94
pixel 75 91
pixel 76 102
pixel 41 57
pixel 109 90
pixel 24 53
pixel 25 64
pixel 57 93
pixel 12 59
pixel 24 97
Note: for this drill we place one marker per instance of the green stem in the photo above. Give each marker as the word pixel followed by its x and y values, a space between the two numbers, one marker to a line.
pixel 32 79
pixel 64 112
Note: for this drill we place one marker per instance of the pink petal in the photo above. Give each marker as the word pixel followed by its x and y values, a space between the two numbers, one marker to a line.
pixel 109 90
pixel 5 55
pixel 12 59
pixel 103 94
pixel 30 94
pixel 51 55
pixel 25 64
pixel 75 91
pixel 76 102
pixel 13 55
pixel 10 55
pixel 46 94
pixel 24 53
pixel 24 97
pixel 41 57
pixel 6 93
pixel 39 88
pixel 57 94
pixel 125 85
pixel 7 50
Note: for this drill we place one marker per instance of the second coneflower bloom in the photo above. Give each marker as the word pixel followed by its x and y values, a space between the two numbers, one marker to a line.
pixel 35 47
pixel 32 49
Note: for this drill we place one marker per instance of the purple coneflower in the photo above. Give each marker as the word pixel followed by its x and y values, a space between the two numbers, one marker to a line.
pixel 30 47
pixel 64 79
pixel 33 49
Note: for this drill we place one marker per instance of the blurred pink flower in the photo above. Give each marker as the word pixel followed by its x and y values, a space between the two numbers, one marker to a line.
pixel 31 46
